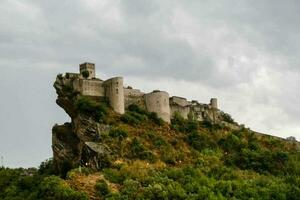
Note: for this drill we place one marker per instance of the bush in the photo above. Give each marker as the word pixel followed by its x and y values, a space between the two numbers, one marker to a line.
pixel 118 133
pixel 138 150
pixel 227 118
pixel 86 106
pixel 102 188
pixel 180 124
pixel 200 141
pixel 60 76
pixel 137 109
pixel 136 115
pixel 129 119
pixel 47 167
pixel 153 116
pixel 53 188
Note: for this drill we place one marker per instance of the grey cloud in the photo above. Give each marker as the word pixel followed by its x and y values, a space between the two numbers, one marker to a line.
pixel 219 47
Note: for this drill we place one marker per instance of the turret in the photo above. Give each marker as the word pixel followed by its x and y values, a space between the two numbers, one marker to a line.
pixel 158 102
pixel 214 103
pixel 87 70
pixel 114 91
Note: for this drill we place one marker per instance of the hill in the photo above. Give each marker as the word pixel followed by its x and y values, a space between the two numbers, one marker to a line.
pixel 101 154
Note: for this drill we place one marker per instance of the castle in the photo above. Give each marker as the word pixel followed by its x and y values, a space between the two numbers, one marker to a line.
pixel 120 97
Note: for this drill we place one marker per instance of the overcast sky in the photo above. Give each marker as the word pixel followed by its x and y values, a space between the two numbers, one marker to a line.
pixel 244 52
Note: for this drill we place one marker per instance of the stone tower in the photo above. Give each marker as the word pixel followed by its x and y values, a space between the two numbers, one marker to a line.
pixel 158 102
pixel 114 91
pixel 90 68
pixel 214 103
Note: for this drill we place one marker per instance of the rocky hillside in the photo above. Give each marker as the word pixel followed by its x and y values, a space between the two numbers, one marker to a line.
pixel 95 134
pixel 104 155
pixel 138 156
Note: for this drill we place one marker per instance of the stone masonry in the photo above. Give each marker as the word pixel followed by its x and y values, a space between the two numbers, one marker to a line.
pixel 87 84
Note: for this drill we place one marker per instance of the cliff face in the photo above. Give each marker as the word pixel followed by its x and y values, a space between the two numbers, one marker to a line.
pixel 77 142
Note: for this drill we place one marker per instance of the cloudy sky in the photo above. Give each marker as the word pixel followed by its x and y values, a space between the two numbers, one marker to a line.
pixel 244 52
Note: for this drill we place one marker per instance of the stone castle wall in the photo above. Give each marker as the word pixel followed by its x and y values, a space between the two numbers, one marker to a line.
pixel 157 101
pixel 134 96
pixel 92 87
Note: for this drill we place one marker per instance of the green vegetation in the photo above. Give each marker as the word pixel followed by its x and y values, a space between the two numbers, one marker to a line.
pixel 136 115
pixel 102 188
pixel 227 118
pixel 22 184
pixel 152 160
pixel 95 109
pixel 193 182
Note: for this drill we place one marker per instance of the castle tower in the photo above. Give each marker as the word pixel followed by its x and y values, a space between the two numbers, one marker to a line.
pixel 87 70
pixel 114 91
pixel 214 103
pixel 158 102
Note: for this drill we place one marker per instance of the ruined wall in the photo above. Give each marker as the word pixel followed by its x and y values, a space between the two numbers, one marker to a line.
pixel 134 96
pixel 179 105
pixel 114 91
pixel 182 110
pixel 158 102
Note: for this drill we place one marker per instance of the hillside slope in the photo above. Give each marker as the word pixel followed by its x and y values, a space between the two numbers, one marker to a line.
pixel 104 155
pixel 138 156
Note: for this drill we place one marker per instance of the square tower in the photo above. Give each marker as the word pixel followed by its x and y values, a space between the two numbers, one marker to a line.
pixel 87 70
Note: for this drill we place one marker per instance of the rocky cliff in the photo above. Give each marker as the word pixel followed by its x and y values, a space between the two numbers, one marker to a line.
pixel 78 142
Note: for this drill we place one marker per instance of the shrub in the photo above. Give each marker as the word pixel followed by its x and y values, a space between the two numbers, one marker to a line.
pixel 136 115
pixel 180 124
pixel 137 109
pixel 197 141
pixel 227 118
pixel 153 116
pixel 60 76
pixel 102 188
pixel 138 150
pixel 53 188
pixel 89 107
pixel 47 167
pixel 114 175
pixel 118 133
pixel 129 119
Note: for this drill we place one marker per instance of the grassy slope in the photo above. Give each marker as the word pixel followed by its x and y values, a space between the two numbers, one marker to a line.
pixel 190 160
pixel 184 160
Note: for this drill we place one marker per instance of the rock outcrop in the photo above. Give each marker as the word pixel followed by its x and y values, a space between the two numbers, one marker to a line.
pixel 78 142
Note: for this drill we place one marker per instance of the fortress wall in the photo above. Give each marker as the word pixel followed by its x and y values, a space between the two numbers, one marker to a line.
pixel 92 87
pixel 114 91
pixel 133 92
pixel 158 102
pixel 72 75
pixel 178 100
pixel 182 110
pixel 89 87
pixel 134 96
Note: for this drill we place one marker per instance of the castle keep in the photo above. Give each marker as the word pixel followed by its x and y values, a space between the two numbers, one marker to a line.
pixel 119 97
